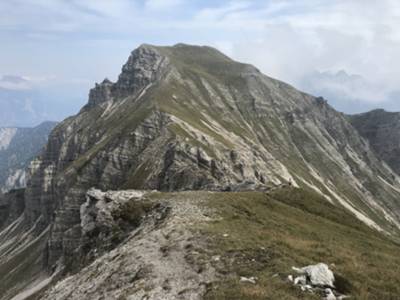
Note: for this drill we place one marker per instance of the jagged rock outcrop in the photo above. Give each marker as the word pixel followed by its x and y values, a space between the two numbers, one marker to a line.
pixel 108 218
pixel 143 68
pixel 18 146
pixel 158 259
pixel 382 130
pixel 100 93
pixel 189 118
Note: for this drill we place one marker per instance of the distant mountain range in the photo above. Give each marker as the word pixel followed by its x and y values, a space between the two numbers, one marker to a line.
pixel 349 93
pixel 25 105
pixel 18 147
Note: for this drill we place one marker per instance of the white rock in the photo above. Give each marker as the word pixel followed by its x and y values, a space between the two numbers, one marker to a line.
pixel 329 295
pixel 248 280
pixel 319 274
pixel 309 287
pixel 290 278
pixel 302 280
pixel 305 288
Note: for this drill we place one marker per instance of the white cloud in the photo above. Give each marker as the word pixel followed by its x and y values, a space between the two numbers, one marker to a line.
pixel 107 8
pixel 219 14
pixel 162 4
pixel 14 83
pixel 285 39
pixel 361 37
pixel 344 86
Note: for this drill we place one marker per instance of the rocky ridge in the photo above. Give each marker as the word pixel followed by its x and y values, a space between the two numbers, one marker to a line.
pixel 162 244
pixel 190 118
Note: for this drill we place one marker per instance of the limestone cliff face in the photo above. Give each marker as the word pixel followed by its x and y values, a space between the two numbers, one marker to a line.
pixel 144 67
pixel 382 130
pixel 190 118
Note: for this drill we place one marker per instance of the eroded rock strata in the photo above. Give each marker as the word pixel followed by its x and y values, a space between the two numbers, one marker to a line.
pixel 190 118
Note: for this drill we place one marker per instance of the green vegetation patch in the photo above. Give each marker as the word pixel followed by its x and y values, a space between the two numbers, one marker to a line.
pixel 264 235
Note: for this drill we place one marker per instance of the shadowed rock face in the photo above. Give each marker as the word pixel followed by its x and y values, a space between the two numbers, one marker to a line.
pixel 190 118
pixel 382 130
pixel 12 205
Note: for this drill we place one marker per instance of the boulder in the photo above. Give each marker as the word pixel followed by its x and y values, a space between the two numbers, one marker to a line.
pixel 318 275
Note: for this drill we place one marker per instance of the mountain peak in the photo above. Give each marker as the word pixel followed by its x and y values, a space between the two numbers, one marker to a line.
pixel 184 53
pixel 189 118
pixel 148 63
pixel 144 65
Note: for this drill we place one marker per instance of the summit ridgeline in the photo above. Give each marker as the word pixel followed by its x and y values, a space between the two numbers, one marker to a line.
pixel 191 123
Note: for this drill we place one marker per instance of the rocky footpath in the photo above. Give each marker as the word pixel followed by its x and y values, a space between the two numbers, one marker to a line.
pixel 157 258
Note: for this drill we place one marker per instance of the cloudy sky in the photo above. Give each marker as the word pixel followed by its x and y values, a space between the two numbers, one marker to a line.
pixel 345 50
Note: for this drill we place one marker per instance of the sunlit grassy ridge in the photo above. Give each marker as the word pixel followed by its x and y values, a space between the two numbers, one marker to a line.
pixel 258 234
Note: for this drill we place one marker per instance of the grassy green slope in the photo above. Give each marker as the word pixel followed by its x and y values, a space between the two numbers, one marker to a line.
pixel 270 233
pixel 269 128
